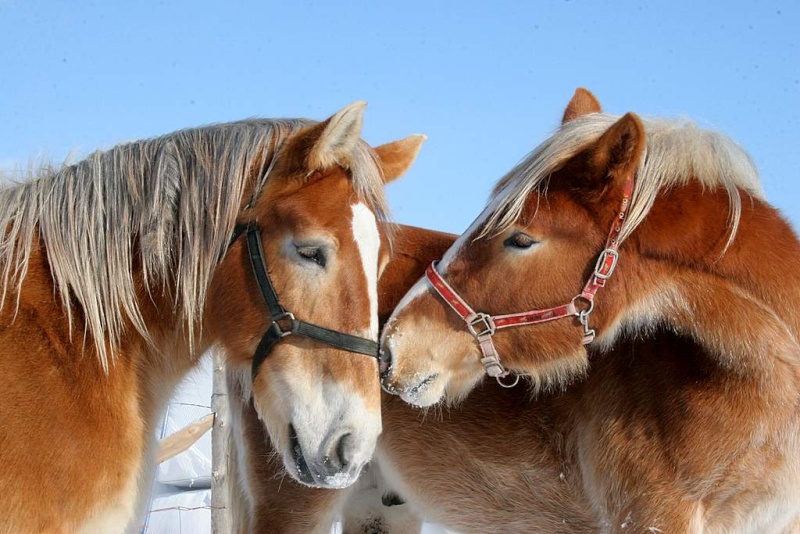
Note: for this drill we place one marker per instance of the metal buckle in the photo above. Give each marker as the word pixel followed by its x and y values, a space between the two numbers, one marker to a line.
pixel 493 367
pixel 484 321
pixel 288 319
pixel 601 260
pixel 588 333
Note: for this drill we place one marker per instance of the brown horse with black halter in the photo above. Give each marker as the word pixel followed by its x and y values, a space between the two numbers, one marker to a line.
pixel 119 271
pixel 262 500
pixel 679 415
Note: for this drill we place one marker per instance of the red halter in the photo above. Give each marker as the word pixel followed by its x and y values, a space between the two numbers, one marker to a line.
pixel 482 326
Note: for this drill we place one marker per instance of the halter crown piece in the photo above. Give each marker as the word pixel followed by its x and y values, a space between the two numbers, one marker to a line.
pixel 483 326
pixel 284 322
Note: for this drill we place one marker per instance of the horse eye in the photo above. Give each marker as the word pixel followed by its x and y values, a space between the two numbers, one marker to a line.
pixel 312 254
pixel 520 241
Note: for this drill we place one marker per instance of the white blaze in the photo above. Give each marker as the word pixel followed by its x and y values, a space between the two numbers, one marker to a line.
pixel 368 240
pixel 422 286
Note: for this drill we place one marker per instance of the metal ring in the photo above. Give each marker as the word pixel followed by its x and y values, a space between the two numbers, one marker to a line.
pixel 507 386
pixel 588 310
pixel 285 317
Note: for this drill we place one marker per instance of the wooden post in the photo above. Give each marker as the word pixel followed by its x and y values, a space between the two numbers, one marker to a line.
pixel 220 511
pixel 176 443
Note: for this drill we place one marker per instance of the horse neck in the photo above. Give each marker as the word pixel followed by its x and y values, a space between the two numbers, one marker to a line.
pixel 160 363
pixel 764 258
pixel 765 261
pixel 145 372
pixel 740 301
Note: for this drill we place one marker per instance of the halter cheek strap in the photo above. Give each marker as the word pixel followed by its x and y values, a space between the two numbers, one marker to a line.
pixel 284 323
pixel 483 326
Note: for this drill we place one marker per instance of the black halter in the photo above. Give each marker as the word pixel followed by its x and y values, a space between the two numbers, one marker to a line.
pixel 284 322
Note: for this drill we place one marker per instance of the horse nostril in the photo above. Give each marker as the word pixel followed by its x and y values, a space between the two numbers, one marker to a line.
pixel 385 361
pixel 337 454
pixel 343 450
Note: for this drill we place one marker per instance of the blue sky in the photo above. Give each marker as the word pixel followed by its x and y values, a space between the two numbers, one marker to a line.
pixel 486 81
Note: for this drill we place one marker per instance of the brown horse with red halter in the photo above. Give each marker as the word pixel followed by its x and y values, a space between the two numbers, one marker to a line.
pixel 118 272
pixel 482 326
pixel 681 415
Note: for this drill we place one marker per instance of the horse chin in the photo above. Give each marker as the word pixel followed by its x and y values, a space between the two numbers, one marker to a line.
pixel 321 481
pixel 425 393
pixel 438 385
pixel 461 384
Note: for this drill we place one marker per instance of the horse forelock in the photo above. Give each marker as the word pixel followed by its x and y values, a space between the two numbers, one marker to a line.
pixel 676 151
pixel 165 205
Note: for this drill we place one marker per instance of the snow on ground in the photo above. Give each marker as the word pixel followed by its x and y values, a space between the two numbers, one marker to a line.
pixel 181 495
pixel 180 512
pixel 188 512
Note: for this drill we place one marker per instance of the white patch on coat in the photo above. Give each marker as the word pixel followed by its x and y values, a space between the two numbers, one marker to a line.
pixel 422 285
pixel 368 240
pixel 320 412
pixel 117 512
pixel 455 248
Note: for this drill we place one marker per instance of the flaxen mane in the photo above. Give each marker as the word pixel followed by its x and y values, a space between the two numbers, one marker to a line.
pixel 676 151
pixel 167 205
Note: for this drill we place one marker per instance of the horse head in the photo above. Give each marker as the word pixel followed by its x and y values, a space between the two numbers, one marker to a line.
pixel 312 235
pixel 528 290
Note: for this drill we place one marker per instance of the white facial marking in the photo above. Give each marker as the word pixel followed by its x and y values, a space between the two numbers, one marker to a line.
pixel 422 284
pixel 420 287
pixel 455 248
pixel 319 411
pixel 365 233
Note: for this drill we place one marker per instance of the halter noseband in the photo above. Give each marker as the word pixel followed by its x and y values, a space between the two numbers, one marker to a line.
pixel 482 326
pixel 284 323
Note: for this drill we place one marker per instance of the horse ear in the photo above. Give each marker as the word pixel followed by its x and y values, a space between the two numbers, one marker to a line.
pixel 335 138
pixel 618 151
pixel 396 157
pixel 582 103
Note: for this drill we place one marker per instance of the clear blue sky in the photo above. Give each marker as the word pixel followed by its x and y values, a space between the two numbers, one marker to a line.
pixel 485 81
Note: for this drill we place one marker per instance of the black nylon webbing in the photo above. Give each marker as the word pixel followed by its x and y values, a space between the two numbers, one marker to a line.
pixel 340 340
pixel 279 315
pixel 255 249
pixel 264 347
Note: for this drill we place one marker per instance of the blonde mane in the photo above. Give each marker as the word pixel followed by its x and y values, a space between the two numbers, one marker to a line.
pixel 166 205
pixel 676 151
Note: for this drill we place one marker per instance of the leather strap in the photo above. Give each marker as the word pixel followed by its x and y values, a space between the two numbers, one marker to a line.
pixel 482 326
pixel 284 323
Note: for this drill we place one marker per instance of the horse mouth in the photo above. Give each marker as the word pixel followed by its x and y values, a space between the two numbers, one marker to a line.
pixel 421 386
pixel 303 472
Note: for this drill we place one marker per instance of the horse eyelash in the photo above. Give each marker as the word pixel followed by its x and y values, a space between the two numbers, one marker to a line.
pixel 316 255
